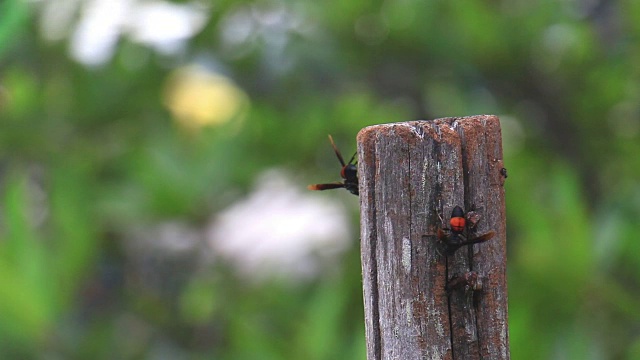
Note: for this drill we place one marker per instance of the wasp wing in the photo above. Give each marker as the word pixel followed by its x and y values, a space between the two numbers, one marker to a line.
pixel 325 186
pixel 479 239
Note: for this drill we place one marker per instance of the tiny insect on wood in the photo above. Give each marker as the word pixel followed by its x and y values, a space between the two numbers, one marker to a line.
pixel 349 174
pixel 470 280
pixel 453 237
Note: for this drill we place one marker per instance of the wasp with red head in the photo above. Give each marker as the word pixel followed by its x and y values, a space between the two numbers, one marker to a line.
pixel 349 174
pixel 453 237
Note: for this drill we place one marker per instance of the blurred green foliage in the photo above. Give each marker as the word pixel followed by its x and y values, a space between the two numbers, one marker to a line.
pixel 91 154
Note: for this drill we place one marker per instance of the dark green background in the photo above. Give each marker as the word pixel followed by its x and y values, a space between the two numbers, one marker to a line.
pixel 90 157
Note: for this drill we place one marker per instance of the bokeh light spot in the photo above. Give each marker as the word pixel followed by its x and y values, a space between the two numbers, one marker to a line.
pixel 197 98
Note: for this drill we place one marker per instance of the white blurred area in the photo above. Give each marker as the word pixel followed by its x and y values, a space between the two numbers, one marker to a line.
pixel 162 25
pixel 281 230
pixel 93 28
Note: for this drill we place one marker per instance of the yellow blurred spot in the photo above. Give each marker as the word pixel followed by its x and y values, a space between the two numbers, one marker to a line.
pixel 198 98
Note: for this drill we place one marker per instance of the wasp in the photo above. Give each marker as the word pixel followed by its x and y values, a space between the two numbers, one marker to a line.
pixel 349 174
pixel 453 237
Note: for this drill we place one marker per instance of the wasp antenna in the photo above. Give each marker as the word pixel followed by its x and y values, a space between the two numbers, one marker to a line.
pixel 353 157
pixel 335 148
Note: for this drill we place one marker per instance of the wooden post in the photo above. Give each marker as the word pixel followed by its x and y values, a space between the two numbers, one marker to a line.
pixel 409 174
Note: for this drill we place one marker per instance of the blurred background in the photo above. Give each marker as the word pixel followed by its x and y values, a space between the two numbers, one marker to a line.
pixel 154 157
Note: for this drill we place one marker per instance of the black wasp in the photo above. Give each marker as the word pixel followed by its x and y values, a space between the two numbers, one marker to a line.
pixel 349 174
pixel 453 238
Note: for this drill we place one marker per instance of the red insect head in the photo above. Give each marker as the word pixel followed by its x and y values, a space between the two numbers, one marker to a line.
pixel 457 224
pixel 457 221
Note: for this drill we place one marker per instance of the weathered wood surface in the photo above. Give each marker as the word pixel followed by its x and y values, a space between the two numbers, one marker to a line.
pixel 409 173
